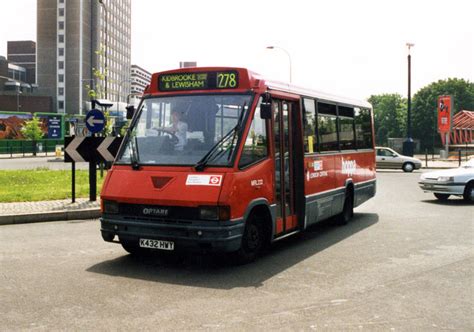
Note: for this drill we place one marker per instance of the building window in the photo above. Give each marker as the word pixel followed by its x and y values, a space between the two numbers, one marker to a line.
pixel 61 64
pixel 61 38
pixel 61 78
pixel 61 11
pixel 61 104
pixel 61 25
pixel 61 91
pixel 61 51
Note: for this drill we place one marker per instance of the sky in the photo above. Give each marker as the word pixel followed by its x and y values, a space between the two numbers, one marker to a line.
pixel 346 47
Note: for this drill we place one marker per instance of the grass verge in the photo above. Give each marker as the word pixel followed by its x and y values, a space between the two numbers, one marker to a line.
pixel 43 185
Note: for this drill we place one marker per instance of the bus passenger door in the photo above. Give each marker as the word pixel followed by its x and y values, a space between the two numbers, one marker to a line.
pixel 283 136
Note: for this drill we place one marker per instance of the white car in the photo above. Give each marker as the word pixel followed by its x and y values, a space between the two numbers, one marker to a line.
pixel 455 181
pixel 388 158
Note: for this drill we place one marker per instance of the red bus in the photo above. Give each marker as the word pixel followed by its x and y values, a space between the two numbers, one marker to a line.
pixel 223 160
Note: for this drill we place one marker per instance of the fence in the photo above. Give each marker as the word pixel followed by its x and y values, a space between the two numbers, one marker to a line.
pixel 26 147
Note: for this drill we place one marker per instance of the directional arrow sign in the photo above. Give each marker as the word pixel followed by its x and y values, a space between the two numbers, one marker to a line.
pixel 95 121
pixel 71 149
pixel 85 149
pixel 103 149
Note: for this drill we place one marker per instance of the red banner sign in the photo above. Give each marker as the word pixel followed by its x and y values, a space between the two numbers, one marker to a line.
pixel 444 114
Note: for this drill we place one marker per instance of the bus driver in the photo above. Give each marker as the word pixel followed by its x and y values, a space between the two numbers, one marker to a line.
pixel 178 128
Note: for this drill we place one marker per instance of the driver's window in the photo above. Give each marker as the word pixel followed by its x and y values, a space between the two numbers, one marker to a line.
pixel 255 145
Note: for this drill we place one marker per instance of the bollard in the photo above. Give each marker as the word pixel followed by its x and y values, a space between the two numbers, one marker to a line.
pixel 459 156
pixel 426 158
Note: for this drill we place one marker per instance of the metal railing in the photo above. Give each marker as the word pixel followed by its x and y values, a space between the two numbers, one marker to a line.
pixel 11 148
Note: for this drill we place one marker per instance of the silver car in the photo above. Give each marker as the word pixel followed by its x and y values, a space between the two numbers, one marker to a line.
pixel 388 158
pixel 456 181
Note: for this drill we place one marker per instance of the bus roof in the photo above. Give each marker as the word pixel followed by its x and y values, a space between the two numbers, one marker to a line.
pixel 250 79
pixel 290 88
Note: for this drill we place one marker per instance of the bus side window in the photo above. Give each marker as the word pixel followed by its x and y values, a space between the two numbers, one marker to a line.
pixel 363 128
pixel 327 127
pixel 309 126
pixel 255 145
pixel 346 127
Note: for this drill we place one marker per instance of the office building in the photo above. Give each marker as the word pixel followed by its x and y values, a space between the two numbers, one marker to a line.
pixel 187 64
pixel 75 37
pixel 23 53
pixel 140 78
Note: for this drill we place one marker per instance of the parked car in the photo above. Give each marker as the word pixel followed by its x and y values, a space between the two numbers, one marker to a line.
pixel 456 181
pixel 388 158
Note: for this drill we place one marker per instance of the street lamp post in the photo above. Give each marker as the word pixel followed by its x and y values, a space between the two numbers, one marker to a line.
pixel 120 92
pixel 106 46
pixel 287 53
pixel 408 145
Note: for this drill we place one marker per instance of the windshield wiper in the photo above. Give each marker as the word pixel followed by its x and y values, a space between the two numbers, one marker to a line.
pixel 236 131
pixel 134 157
pixel 201 164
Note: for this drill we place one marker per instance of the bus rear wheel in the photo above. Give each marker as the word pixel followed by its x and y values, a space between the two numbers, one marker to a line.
pixel 252 241
pixel 347 211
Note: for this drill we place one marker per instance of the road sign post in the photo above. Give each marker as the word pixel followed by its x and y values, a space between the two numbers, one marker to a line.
pixel 95 122
pixel 91 149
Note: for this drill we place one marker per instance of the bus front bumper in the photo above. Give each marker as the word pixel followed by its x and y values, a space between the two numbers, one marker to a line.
pixel 211 236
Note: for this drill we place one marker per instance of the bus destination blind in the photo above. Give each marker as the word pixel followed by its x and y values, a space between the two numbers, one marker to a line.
pixel 199 81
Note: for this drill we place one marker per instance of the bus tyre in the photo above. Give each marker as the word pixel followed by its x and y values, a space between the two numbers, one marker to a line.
pixel 252 241
pixel 408 167
pixel 132 248
pixel 468 194
pixel 347 211
pixel 442 197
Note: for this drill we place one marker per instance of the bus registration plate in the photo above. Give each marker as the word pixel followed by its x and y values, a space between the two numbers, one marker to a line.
pixel 156 244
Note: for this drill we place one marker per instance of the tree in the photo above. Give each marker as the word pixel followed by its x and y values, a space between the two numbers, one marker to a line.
pixel 424 112
pixel 389 116
pixel 32 131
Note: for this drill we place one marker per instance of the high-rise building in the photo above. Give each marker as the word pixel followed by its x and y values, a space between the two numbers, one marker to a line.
pixel 76 41
pixel 187 64
pixel 23 54
pixel 140 79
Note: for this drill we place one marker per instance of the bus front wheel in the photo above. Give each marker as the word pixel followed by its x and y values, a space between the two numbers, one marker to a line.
pixel 252 241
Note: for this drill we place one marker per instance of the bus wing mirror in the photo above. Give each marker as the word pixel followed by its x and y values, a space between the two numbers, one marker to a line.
pixel 130 111
pixel 265 111
pixel 266 106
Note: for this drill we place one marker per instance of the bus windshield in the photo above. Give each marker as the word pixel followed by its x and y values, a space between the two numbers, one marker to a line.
pixel 186 130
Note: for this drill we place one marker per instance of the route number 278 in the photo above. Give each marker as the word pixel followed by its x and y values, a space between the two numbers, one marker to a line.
pixel 226 80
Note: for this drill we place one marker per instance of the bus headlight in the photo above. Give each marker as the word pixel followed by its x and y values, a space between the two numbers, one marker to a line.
pixel 110 207
pixel 214 212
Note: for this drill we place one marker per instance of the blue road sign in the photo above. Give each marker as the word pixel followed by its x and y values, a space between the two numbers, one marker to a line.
pixel 95 121
pixel 54 127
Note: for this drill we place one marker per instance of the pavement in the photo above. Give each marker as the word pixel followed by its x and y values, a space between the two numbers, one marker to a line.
pixel 28 212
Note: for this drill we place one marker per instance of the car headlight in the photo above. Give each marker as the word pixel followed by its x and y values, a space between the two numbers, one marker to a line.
pixel 446 179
